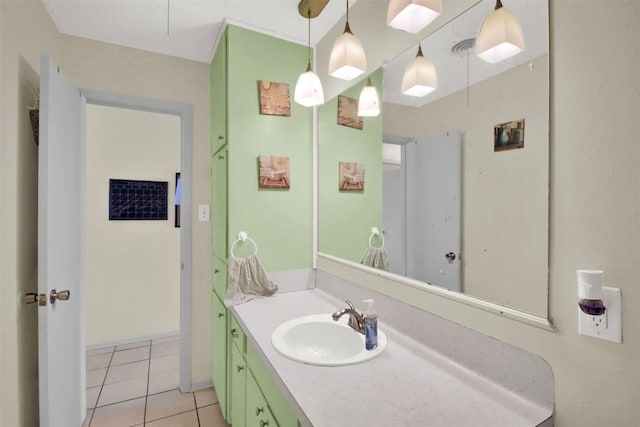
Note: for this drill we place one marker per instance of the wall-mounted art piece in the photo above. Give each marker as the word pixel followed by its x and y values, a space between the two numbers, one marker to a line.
pixel 273 172
pixel 508 136
pixel 274 98
pixel 348 112
pixel 351 176
pixel 138 200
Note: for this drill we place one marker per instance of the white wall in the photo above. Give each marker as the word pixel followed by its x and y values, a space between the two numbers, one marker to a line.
pixel 504 194
pixel 133 267
pixel 26 32
pixel 594 215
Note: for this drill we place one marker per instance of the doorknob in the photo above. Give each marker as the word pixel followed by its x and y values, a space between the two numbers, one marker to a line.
pixel 62 295
pixel 31 298
pixel 450 256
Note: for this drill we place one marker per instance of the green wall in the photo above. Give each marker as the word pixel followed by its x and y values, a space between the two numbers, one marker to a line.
pixel 280 221
pixel 346 218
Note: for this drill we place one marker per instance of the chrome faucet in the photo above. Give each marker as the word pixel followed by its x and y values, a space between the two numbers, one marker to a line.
pixel 356 320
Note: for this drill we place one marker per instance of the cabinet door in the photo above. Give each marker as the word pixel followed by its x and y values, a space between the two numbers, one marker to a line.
pixel 257 412
pixel 238 387
pixel 218 84
pixel 219 315
pixel 219 277
pixel 219 203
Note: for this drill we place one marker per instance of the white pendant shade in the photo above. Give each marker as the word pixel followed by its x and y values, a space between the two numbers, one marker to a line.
pixel 500 36
pixel 368 103
pixel 347 60
pixel 412 15
pixel 420 77
pixel 308 90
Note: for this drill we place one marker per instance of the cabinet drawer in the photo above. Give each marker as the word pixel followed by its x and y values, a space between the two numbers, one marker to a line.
pixel 237 336
pixel 219 278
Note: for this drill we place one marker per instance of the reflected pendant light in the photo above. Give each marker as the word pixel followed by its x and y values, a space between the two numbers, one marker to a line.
pixel 368 103
pixel 308 90
pixel 500 35
pixel 412 15
pixel 420 77
pixel 347 60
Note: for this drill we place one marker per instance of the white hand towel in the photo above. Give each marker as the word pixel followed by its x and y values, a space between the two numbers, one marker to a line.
pixel 247 280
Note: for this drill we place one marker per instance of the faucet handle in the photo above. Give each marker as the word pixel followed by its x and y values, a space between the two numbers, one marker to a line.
pixel 350 304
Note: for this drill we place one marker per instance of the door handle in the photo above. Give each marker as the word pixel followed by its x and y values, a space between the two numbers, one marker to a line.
pixel 450 256
pixel 62 296
pixel 31 298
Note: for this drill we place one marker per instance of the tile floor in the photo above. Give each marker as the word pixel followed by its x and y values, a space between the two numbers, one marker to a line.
pixel 137 385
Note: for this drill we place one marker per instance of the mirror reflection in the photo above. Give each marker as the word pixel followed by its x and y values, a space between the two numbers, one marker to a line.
pixel 456 181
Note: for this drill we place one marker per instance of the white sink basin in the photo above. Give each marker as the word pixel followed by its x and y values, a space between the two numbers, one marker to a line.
pixel 319 340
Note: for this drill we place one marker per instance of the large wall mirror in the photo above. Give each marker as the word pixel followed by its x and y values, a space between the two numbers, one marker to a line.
pixel 456 181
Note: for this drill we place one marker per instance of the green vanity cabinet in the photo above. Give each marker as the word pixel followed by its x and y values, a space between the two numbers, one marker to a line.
pixel 219 277
pixel 219 316
pixel 257 412
pixel 219 209
pixel 238 372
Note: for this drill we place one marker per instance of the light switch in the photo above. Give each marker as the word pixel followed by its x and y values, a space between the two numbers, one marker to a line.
pixel 203 213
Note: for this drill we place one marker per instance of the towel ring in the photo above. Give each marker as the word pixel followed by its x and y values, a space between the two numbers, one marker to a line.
pixel 376 232
pixel 243 237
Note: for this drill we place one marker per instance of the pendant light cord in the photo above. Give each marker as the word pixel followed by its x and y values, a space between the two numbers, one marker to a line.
pixel 168 10
pixel 309 36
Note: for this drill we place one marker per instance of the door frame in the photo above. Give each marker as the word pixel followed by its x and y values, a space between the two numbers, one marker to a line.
pixel 185 112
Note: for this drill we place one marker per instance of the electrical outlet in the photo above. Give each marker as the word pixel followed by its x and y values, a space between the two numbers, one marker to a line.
pixel 608 326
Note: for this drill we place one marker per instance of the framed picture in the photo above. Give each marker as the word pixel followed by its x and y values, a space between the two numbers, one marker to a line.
pixel 348 112
pixel 138 200
pixel 274 98
pixel 176 200
pixel 508 136
pixel 273 172
pixel 351 176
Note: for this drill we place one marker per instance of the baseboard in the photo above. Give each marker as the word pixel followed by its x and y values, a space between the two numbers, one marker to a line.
pixel 201 385
pixel 131 340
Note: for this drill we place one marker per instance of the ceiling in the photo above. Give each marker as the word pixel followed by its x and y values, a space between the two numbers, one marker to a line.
pixel 193 25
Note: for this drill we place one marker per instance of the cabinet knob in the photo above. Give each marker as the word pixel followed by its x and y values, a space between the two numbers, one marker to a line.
pixel 239 368
pixel 234 333
pixel 220 315
pixel 220 137
pixel 220 157
pixel 216 271
pixel 264 423
pixel 259 410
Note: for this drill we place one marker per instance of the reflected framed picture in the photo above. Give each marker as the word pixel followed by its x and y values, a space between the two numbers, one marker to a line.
pixel 351 176
pixel 274 98
pixel 273 172
pixel 508 136
pixel 348 112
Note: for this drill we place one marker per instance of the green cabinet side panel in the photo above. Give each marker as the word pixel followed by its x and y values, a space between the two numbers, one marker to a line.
pixel 219 277
pixel 282 411
pixel 346 217
pixel 219 205
pixel 219 315
pixel 279 220
pixel 238 372
pixel 218 84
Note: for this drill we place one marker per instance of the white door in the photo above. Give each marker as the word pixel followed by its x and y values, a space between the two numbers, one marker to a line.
pixel 433 210
pixel 61 156
pixel 393 215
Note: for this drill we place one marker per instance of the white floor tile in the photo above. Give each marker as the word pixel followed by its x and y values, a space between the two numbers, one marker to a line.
pixel 92 397
pixel 187 419
pixel 210 416
pixel 98 361
pixel 133 355
pixel 123 414
pixel 206 397
pixel 169 403
pixel 124 390
pixel 133 345
pixel 165 349
pixel 128 371
pixel 164 381
pixel 95 377
pixel 163 364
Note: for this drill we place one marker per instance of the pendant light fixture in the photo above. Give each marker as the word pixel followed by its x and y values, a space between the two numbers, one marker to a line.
pixel 420 77
pixel 412 15
pixel 347 60
pixel 368 103
pixel 308 90
pixel 500 35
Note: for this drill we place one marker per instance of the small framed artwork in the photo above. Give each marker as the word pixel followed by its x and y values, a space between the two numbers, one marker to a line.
pixel 508 136
pixel 273 172
pixel 274 98
pixel 348 112
pixel 351 176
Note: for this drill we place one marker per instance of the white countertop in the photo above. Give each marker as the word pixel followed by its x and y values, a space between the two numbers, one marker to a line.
pixel 407 385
